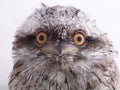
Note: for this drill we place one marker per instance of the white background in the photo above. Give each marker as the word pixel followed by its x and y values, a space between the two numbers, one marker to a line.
pixel 14 12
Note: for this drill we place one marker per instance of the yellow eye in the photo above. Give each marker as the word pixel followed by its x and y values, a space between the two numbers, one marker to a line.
pixel 41 37
pixel 79 38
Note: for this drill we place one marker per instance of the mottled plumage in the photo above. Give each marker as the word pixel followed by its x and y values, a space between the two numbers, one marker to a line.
pixel 60 64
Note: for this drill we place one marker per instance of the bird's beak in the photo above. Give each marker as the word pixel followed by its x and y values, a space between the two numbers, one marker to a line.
pixel 59 48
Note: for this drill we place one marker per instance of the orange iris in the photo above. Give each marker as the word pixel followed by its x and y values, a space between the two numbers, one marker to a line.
pixel 41 37
pixel 79 38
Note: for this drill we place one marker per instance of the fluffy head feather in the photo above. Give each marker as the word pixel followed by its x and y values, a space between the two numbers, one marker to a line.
pixel 59 64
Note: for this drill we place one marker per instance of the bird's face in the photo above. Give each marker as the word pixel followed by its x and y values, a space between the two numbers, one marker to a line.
pixel 60 45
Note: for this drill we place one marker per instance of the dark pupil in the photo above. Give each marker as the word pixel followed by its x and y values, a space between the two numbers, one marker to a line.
pixel 41 37
pixel 79 39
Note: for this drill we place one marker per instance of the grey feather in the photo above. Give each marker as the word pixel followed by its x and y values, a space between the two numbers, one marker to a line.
pixel 60 64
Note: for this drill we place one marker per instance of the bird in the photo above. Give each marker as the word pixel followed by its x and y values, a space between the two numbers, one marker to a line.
pixel 61 48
